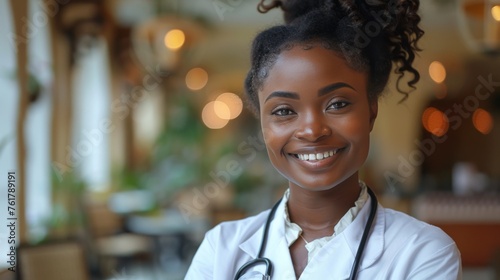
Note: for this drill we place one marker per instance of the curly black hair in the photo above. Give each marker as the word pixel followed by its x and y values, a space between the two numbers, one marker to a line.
pixel 371 35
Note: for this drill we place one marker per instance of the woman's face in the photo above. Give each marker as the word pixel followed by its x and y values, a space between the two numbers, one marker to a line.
pixel 316 117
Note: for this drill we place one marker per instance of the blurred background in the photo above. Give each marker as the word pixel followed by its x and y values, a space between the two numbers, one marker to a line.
pixel 124 125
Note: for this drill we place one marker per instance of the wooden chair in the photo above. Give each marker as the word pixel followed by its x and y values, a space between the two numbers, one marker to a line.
pixel 6 274
pixel 113 246
pixel 54 261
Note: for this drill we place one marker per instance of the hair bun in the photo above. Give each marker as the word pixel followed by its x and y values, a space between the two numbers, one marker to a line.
pixel 394 23
pixel 292 9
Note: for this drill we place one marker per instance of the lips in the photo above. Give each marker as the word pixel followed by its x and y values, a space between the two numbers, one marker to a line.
pixel 317 156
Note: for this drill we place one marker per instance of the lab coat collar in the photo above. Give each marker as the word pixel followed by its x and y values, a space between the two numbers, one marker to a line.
pixel 375 243
pixel 336 257
pixel 276 248
pixel 347 241
pixel 251 246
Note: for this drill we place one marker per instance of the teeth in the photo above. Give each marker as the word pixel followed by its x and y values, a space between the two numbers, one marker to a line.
pixel 318 156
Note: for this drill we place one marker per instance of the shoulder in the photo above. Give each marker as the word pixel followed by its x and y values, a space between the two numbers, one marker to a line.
pixel 238 230
pixel 406 226
pixel 424 250
pixel 219 244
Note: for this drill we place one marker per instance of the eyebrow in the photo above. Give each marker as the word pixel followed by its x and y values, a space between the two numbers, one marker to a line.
pixel 332 87
pixel 321 91
pixel 285 94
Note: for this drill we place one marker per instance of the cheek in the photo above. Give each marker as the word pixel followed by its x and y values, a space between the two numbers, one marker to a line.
pixel 272 138
pixel 357 130
pixel 276 138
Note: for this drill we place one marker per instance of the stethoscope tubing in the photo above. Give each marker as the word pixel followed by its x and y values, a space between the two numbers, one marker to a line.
pixel 268 263
pixel 364 238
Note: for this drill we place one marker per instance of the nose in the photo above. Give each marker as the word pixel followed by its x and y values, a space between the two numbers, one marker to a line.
pixel 313 127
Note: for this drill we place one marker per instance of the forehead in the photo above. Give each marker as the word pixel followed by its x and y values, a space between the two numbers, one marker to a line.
pixel 312 65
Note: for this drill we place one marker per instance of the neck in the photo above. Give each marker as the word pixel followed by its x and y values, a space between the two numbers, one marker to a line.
pixel 316 212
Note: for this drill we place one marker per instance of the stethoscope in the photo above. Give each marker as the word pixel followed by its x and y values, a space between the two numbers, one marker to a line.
pixel 269 265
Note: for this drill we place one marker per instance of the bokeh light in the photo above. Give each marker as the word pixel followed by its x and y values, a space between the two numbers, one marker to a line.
pixel 483 121
pixel 221 110
pixel 233 102
pixel 211 112
pixel 435 121
pixel 196 78
pixel 437 72
pixel 174 39
pixel 495 12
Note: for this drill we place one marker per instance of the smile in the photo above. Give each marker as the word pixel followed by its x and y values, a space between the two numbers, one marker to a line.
pixel 317 156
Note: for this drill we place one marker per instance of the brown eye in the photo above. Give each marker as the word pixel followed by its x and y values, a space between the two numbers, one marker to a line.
pixel 338 105
pixel 282 112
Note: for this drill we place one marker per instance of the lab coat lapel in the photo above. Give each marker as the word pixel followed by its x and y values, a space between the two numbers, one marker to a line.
pixel 276 247
pixel 251 246
pixel 336 258
pixel 375 243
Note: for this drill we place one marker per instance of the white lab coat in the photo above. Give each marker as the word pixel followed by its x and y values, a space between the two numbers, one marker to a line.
pixel 399 247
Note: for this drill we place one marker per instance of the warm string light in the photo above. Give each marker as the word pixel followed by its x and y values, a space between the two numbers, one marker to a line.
pixel 437 72
pixel 216 114
pixel 174 39
pixel 483 121
pixel 211 112
pixel 435 121
pixel 495 12
pixel 221 110
pixel 227 106
pixel 234 103
pixel 196 78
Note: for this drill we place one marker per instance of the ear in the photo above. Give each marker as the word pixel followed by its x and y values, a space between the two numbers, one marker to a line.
pixel 373 113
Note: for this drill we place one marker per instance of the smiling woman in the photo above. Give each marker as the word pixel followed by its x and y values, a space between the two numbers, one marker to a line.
pixel 325 110
pixel 315 86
